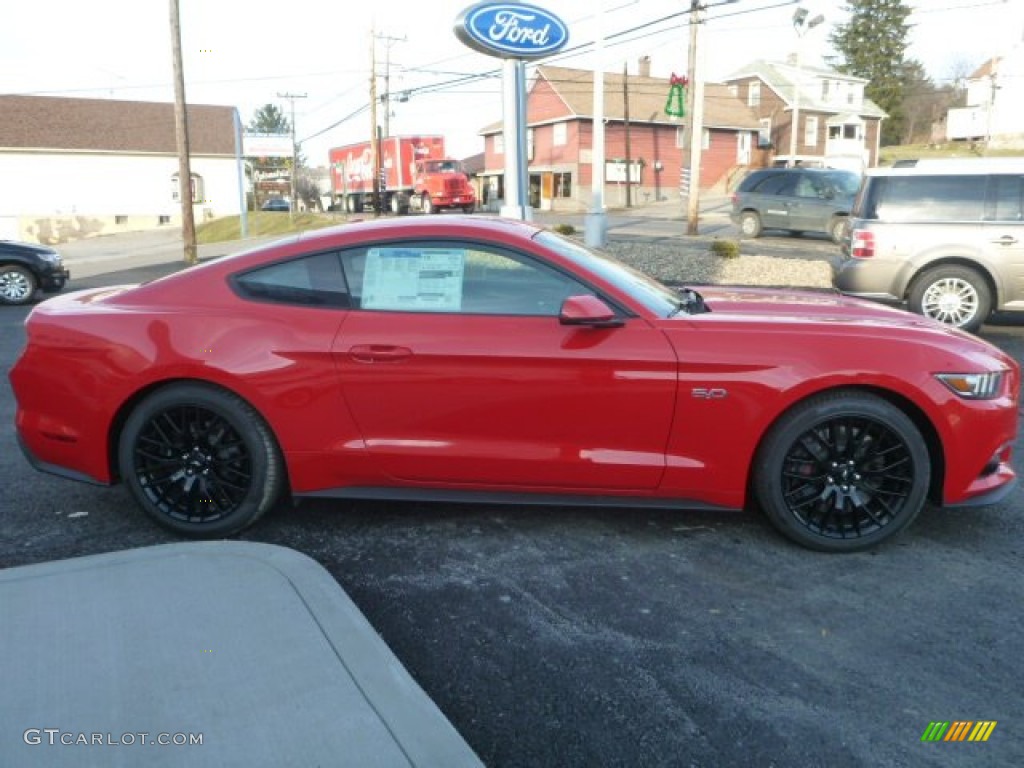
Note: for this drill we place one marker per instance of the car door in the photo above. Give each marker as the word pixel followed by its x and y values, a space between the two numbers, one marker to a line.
pixel 809 206
pixel 458 371
pixel 1002 235
pixel 772 198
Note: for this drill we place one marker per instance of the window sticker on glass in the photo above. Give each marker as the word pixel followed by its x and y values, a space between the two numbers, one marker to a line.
pixel 414 279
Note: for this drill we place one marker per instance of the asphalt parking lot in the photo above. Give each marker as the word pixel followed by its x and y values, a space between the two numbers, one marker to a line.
pixel 585 637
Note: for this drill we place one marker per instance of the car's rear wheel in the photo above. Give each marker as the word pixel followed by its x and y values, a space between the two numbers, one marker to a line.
pixel 837 228
pixel 200 461
pixel 842 472
pixel 750 224
pixel 953 295
pixel 17 284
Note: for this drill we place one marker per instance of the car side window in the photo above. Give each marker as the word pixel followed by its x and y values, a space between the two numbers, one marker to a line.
pixel 1008 198
pixel 455 278
pixel 930 198
pixel 772 185
pixel 806 188
pixel 309 280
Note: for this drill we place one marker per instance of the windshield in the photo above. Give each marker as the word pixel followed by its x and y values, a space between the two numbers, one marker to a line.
pixel 658 298
pixel 443 166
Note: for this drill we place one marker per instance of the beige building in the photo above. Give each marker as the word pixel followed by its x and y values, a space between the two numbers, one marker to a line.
pixel 74 168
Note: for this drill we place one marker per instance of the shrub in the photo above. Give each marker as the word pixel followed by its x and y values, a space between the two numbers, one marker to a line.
pixel 565 229
pixel 727 249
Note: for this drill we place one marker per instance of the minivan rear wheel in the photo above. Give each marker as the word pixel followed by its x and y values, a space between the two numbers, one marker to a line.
pixel 953 295
pixel 750 224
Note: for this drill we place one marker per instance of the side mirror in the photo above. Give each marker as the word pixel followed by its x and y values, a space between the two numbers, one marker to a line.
pixel 590 311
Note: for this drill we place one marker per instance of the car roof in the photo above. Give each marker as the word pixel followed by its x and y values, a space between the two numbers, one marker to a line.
pixel 951 166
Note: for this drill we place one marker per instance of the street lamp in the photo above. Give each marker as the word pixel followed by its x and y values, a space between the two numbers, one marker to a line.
pixel 800 25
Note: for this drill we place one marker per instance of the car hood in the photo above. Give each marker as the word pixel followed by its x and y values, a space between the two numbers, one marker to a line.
pixel 11 246
pixel 802 305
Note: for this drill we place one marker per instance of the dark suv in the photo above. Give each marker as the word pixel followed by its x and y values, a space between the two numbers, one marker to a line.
pixel 26 267
pixel 795 199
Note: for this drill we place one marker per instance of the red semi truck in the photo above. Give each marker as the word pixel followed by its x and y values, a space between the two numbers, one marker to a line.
pixel 415 175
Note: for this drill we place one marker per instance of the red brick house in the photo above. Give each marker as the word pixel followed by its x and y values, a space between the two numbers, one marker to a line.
pixel 559 110
pixel 838 125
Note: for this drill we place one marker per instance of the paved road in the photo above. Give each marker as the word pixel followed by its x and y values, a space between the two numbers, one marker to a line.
pixel 585 637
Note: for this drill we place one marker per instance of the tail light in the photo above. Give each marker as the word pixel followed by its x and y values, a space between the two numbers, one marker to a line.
pixel 862 244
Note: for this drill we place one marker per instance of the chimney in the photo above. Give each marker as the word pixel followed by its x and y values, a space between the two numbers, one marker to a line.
pixel 645 66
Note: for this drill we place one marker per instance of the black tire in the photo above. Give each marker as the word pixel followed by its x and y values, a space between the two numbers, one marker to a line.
pixel 837 228
pixel 750 224
pixel 953 295
pixel 17 285
pixel 354 204
pixel 426 205
pixel 468 208
pixel 200 461
pixel 842 472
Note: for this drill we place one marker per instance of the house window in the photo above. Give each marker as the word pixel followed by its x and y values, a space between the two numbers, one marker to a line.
pixel 811 131
pixel 824 90
pixel 705 139
pixel 681 137
pixel 850 131
pixel 563 185
pixel 120 219
pixel 835 131
pixel 754 94
pixel 164 220
pixel 197 188
pixel 499 144
pixel 559 134
pixel 764 133
pixel 529 143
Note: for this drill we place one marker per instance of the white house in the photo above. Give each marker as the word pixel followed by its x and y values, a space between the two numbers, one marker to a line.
pixel 73 168
pixel 993 113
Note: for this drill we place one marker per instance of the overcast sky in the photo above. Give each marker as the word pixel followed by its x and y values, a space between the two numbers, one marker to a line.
pixel 245 52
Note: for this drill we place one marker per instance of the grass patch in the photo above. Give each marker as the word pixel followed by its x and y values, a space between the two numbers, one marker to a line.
pixel 262 223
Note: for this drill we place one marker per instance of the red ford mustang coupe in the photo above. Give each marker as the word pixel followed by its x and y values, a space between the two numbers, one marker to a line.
pixel 488 359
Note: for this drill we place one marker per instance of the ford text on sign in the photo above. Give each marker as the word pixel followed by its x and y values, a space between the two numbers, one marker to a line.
pixel 511 30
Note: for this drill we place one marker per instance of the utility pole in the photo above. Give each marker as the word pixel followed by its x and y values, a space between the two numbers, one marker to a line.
pixel 625 118
pixel 188 224
pixel 695 125
pixel 800 26
pixel 374 145
pixel 386 98
pixel 295 151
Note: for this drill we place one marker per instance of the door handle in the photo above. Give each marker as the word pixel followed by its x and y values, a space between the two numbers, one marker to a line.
pixel 1005 240
pixel 378 353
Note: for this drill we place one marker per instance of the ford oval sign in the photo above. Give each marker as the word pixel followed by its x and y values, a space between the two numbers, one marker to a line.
pixel 511 30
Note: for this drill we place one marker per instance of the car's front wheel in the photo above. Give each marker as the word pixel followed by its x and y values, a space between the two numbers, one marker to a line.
pixel 750 224
pixel 842 472
pixel 17 284
pixel 200 461
pixel 953 295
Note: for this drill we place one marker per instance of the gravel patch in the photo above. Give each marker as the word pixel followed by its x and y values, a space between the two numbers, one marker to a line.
pixel 690 262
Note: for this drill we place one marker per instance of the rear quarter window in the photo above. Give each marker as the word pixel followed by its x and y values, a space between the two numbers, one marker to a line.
pixel 924 198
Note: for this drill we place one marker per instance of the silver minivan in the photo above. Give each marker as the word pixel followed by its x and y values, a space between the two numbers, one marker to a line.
pixel 945 237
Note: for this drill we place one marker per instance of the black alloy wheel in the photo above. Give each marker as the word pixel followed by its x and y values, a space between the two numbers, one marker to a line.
pixel 200 461
pixel 843 472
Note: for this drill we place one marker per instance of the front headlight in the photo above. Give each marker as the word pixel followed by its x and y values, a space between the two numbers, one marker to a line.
pixel 974 386
pixel 50 257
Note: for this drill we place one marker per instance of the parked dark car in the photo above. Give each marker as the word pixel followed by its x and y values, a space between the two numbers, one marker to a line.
pixel 26 268
pixel 276 204
pixel 797 200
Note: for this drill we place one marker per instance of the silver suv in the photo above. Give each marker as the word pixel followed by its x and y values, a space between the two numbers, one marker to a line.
pixel 946 237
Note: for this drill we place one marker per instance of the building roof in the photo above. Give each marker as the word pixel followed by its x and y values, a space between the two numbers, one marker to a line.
pixel 782 77
pixel 647 99
pixel 986 70
pixel 107 125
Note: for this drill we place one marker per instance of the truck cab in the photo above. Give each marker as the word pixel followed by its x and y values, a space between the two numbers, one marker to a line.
pixel 440 184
